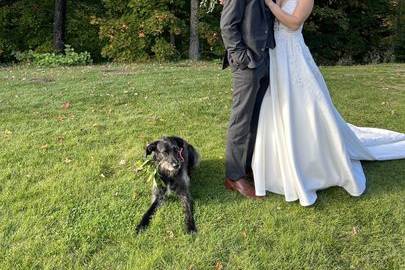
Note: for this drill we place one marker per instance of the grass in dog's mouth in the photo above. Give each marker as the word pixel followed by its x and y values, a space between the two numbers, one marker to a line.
pixel 146 168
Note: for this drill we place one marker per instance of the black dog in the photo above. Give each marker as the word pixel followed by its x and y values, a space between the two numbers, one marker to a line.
pixel 174 159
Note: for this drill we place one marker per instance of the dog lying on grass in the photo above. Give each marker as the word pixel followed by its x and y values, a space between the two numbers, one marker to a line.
pixel 174 159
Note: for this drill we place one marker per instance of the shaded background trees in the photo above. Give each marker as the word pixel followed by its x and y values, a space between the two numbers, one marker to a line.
pixel 28 24
pixel 352 31
pixel 338 31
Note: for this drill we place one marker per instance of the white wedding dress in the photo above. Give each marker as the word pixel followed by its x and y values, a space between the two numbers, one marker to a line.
pixel 303 144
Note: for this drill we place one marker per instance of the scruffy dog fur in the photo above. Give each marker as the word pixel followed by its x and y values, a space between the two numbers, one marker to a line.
pixel 174 159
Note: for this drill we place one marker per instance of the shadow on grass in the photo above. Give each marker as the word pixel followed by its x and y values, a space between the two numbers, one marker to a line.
pixel 383 178
pixel 208 182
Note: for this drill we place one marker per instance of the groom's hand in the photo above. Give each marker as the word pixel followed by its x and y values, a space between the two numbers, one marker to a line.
pixel 239 58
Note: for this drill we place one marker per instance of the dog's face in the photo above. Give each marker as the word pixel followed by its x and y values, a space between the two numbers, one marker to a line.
pixel 167 155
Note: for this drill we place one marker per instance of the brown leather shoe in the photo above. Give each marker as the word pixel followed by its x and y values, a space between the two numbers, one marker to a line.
pixel 243 187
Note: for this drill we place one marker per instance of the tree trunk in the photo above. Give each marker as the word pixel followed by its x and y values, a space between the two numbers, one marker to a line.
pixel 172 39
pixel 194 53
pixel 400 48
pixel 59 26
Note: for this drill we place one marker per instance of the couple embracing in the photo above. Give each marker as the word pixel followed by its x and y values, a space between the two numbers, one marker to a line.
pixel 284 131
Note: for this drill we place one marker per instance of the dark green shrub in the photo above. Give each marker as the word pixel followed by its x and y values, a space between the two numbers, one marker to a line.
pixel 69 58
pixel 163 50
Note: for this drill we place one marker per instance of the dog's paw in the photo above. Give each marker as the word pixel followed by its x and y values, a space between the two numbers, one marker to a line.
pixel 191 229
pixel 139 228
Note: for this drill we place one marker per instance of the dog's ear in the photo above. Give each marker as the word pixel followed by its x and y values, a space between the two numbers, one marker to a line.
pixel 179 141
pixel 151 147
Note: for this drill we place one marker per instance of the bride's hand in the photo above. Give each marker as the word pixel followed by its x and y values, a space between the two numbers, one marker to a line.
pixel 271 4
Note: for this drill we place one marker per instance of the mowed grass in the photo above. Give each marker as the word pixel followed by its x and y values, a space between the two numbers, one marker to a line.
pixel 69 197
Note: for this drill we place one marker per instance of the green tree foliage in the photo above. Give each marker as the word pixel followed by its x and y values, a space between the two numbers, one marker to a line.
pixel 27 24
pixel 338 31
pixel 135 30
pixel 139 30
pixel 356 31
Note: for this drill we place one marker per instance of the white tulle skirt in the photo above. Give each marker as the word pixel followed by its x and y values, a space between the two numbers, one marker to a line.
pixel 303 144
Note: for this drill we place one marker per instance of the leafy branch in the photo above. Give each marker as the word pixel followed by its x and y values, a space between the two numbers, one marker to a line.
pixel 209 4
pixel 146 168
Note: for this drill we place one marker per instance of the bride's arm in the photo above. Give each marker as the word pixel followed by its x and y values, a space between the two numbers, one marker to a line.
pixel 295 20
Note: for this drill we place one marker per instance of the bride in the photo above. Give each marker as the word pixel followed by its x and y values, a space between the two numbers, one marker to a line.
pixel 303 144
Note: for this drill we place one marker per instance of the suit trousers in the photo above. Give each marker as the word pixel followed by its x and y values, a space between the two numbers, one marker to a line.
pixel 249 88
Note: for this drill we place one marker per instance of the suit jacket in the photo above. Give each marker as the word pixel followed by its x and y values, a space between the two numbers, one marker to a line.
pixel 247 29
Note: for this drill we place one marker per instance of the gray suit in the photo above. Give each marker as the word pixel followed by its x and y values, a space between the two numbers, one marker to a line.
pixel 247 32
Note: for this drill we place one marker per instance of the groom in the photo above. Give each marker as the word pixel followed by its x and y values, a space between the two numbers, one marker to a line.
pixel 247 32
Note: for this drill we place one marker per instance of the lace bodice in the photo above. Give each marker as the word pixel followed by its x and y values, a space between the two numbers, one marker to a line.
pixel 289 7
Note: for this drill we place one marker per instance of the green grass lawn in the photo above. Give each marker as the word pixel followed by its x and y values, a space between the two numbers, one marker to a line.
pixel 69 197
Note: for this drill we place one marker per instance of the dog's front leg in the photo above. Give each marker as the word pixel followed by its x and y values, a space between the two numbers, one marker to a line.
pixel 158 196
pixel 188 212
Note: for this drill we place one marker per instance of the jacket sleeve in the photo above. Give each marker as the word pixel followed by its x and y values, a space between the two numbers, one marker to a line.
pixel 231 19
